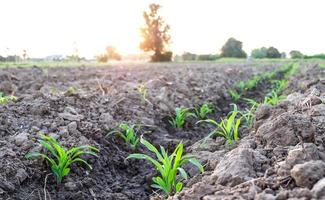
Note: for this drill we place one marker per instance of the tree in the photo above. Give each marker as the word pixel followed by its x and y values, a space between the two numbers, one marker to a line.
pixel 259 53
pixel 112 53
pixel 296 54
pixel 273 52
pixel 155 35
pixel 233 48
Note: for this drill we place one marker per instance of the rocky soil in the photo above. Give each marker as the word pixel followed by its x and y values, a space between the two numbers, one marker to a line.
pixel 281 157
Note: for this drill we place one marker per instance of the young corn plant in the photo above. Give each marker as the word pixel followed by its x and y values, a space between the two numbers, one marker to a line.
pixel 273 98
pixel 227 128
pixel 181 114
pixel 249 115
pixel 240 85
pixel 203 111
pixel 168 166
pixel 60 159
pixel 279 85
pixel 128 133
pixel 6 99
pixel 234 95
pixel 142 92
pixel 252 83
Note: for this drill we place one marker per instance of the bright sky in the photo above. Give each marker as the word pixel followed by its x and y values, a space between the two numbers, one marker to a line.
pixel 47 27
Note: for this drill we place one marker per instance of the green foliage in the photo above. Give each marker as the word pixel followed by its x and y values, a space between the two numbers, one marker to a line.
pixel 234 95
pixel 259 53
pixel 164 57
pixel 273 52
pixel 6 99
pixel 168 166
pixel 208 57
pixel 203 111
pixel 233 48
pixel 181 114
pixel 128 134
pixel 294 54
pixel 227 128
pixel 60 159
pixel 316 56
pixel 273 98
pixel 279 85
pixel 240 85
pixel 249 114
pixel 252 82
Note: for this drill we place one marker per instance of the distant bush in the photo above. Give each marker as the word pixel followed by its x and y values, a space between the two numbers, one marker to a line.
pixel 187 56
pixel 273 52
pixel 103 58
pixel 296 54
pixel 233 48
pixel 207 57
pixel 319 56
pixel 164 57
pixel 259 53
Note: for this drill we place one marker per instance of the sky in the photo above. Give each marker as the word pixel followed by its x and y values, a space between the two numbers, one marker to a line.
pixel 52 27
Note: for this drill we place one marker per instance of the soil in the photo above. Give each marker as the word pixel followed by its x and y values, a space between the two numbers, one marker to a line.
pixel 81 105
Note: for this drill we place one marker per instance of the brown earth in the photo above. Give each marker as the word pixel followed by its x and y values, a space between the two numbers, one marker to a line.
pixel 261 165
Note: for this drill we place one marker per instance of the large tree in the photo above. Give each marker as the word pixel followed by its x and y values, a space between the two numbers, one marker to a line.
pixel 233 48
pixel 155 35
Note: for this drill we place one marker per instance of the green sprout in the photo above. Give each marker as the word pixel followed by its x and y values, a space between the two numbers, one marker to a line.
pixel 252 83
pixel 203 111
pixel 142 91
pixel 60 159
pixel 273 98
pixel 181 114
pixel 227 128
pixel 240 85
pixel 249 115
pixel 234 95
pixel 168 166
pixel 6 99
pixel 279 85
pixel 128 134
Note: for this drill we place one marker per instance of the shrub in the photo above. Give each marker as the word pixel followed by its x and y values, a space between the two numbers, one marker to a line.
pixel 187 56
pixel 128 134
pixel 168 166
pixel 164 57
pixel 181 114
pixel 60 159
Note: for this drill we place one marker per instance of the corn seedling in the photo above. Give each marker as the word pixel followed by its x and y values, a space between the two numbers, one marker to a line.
pixel 5 99
pixel 61 159
pixel 128 134
pixel 249 115
pixel 181 114
pixel 273 98
pixel 234 95
pixel 227 128
pixel 240 85
pixel 203 111
pixel 142 91
pixel 252 83
pixel 168 166
pixel 279 85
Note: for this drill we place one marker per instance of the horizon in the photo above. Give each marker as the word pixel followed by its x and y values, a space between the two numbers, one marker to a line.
pixel 46 28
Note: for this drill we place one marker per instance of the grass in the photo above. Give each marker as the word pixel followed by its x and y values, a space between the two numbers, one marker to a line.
pixel 128 133
pixel 168 166
pixel 61 159
pixel 181 114
pixel 227 128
